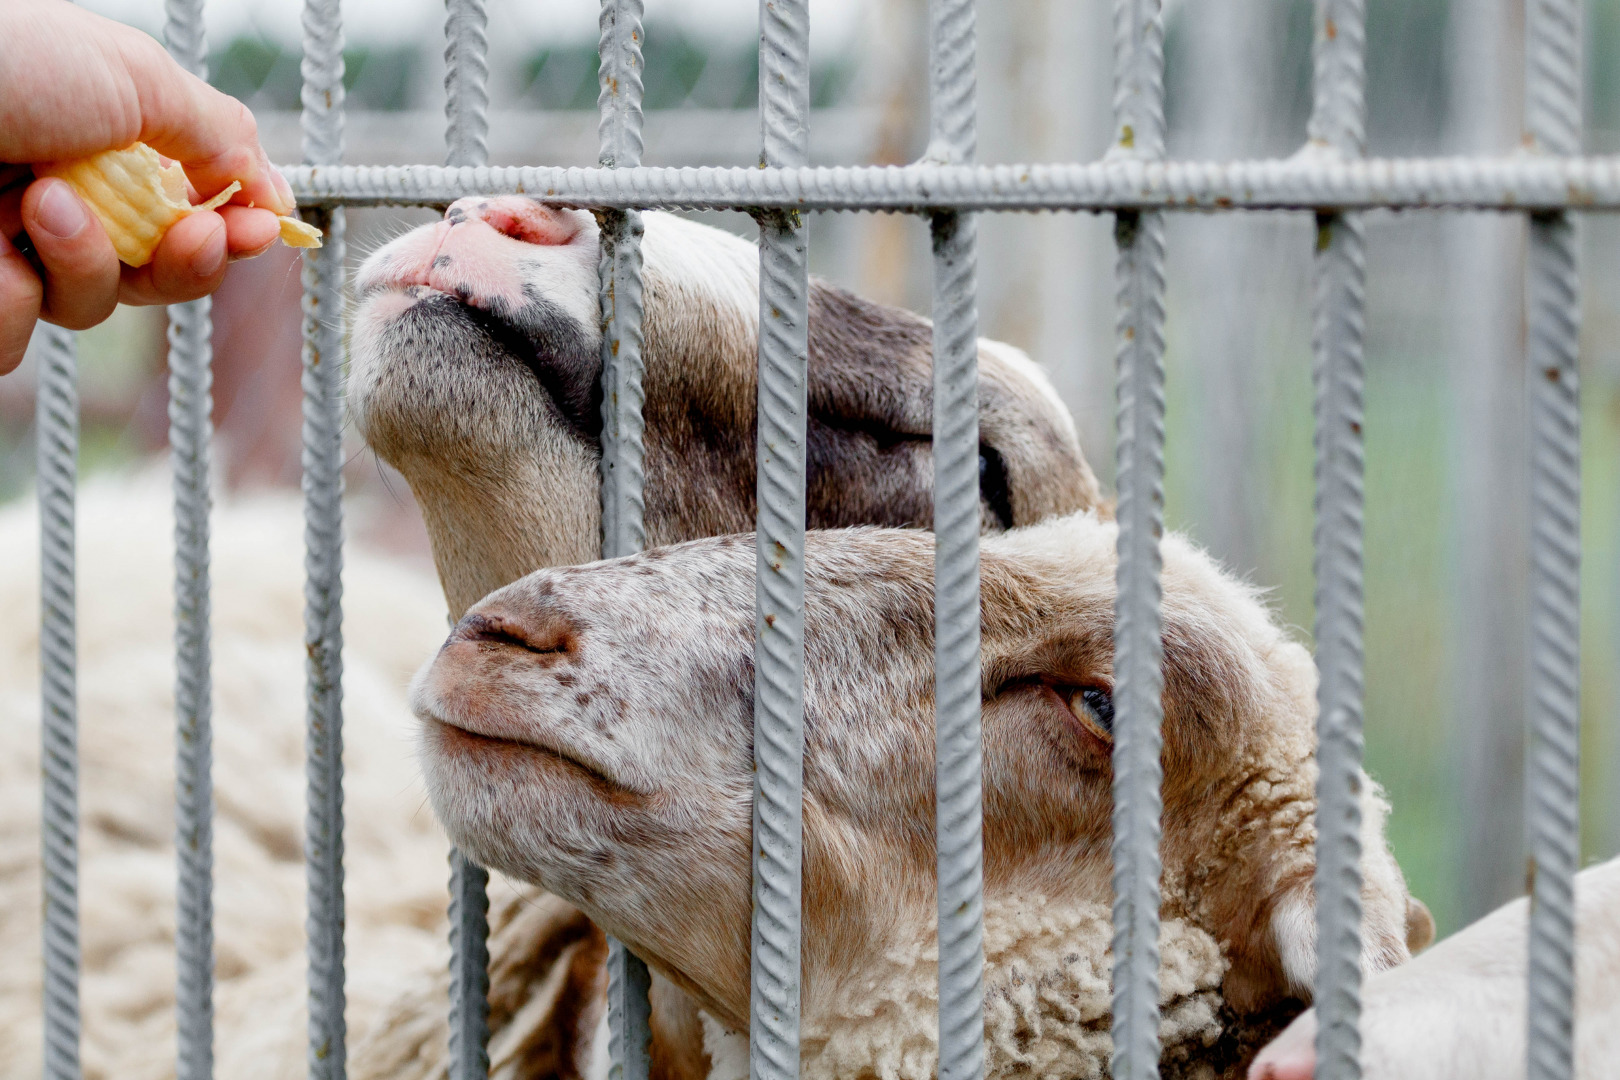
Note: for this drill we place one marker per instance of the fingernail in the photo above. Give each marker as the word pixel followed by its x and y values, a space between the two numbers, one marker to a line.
pixel 210 258
pixel 254 254
pixel 283 188
pixel 60 212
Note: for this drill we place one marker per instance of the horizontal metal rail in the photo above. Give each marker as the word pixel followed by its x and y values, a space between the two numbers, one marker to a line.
pixel 1303 182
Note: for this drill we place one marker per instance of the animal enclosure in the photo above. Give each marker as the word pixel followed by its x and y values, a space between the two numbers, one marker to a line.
pixel 1329 178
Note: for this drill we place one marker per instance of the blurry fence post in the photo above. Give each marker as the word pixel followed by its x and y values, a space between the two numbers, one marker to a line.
pixel 1229 76
pixel 1486 327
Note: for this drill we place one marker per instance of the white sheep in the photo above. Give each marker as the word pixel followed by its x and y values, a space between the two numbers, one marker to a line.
pixel 872 418
pixel 546 972
pixel 476 367
pixel 588 729
pixel 1459 1011
pixel 396 853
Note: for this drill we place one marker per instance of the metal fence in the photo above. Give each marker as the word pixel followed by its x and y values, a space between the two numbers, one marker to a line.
pixel 1329 177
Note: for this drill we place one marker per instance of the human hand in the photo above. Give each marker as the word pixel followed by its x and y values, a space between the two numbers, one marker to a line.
pixel 74 84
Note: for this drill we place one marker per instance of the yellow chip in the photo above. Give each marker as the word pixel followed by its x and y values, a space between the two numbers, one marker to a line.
pixel 295 233
pixel 137 198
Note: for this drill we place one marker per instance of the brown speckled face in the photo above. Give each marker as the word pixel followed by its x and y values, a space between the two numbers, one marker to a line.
pixel 475 372
pixel 589 729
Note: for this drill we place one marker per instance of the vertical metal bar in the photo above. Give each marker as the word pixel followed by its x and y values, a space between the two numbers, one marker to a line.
pixel 57 427
pixel 1337 130
pixel 623 528
pixel 466 82
pixel 469 969
pixel 1229 71
pixel 190 429
pixel 190 434
pixel 784 311
pixel 1485 259
pixel 323 540
pixel 466 108
pixel 1552 809
pixel 959 823
pixel 1138 650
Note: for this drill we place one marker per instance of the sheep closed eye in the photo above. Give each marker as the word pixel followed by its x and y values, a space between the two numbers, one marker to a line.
pixel 1094 708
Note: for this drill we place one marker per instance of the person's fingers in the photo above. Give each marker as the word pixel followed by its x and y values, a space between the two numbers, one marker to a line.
pixel 189 263
pixel 212 134
pixel 21 293
pixel 248 232
pixel 81 268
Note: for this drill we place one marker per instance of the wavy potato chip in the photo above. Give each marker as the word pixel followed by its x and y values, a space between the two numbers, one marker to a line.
pixel 137 199
pixel 299 234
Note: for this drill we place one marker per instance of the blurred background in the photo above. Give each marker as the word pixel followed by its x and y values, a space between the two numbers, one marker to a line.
pixel 1446 533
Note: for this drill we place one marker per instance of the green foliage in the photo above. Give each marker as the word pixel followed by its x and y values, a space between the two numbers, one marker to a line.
pixel 680 70
pixel 265 74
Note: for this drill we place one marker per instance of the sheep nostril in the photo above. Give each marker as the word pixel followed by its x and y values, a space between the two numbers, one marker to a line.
pixel 520 218
pixel 551 636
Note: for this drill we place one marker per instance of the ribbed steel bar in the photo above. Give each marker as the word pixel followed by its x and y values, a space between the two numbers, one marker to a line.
pixel 623 476
pixel 323 639
pixel 466 108
pixel 1337 132
pixel 469 969
pixel 57 429
pixel 784 311
pixel 323 548
pixel 629 1013
pixel 1138 650
pixel 1552 795
pixel 190 435
pixel 466 82
pixel 959 824
pixel 1302 182
pixel 190 430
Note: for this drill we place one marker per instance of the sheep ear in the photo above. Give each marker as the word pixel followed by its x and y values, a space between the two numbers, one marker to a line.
pixel 1419 925
pixel 870 395
pixel 1392 925
pixel 1273 958
pixel 1293 930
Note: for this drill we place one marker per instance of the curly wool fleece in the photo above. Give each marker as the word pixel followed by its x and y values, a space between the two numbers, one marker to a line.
pixel 1046 1008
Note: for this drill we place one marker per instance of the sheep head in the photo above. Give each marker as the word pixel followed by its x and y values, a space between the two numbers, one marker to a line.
pixel 589 729
pixel 476 369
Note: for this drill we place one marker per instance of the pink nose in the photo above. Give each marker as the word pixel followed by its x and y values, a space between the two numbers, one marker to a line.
pixel 517 217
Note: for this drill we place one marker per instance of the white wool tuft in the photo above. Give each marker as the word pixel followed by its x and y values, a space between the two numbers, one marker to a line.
pixel 727 1050
pixel 1046 1004
pixel 394 617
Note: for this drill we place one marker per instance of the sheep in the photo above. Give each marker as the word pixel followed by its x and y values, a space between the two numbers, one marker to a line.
pixel 547 978
pixel 476 367
pixel 588 729
pixel 1458 1011
pixel 396 851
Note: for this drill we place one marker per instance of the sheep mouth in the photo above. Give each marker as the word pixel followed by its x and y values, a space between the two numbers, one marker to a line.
pixel 456 740
pixel 537 335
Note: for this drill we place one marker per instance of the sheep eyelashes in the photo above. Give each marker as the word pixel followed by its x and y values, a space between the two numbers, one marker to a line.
pixel 617 774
